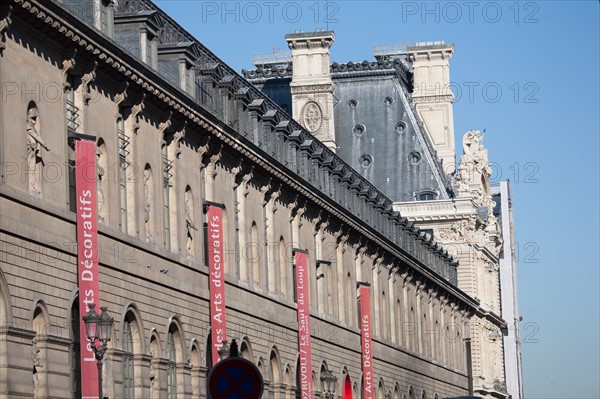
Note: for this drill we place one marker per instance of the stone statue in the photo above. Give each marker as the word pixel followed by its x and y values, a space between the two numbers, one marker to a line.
pixel 34 145
pixel 147 205
pixel 37 363
pixel 189 222
pixel 99 182
pixel 472 141
pixel 152 374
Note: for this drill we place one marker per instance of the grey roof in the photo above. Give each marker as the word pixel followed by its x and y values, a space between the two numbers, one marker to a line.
pixel 378 131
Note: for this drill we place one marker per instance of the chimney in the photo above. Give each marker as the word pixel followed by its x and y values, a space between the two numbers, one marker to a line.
pixel 432 96
pixel 311 86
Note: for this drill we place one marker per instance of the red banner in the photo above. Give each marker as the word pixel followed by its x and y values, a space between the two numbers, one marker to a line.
pixel 217 279
pixel 87 257
pixel 367 344
pixel 306 387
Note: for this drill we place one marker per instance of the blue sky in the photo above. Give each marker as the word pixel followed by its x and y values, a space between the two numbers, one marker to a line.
pixel 528 73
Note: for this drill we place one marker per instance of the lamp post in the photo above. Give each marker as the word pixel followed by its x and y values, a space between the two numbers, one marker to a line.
pixel 98 327
pixel 224 351
pixel 328 382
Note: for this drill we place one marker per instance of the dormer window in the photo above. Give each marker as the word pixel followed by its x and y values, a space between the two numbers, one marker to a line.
pixel 136 29
pixel 426 195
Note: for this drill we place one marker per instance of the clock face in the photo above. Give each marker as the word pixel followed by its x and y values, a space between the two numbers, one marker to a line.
pixel 312 116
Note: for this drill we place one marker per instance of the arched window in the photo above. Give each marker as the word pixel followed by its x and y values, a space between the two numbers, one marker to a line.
pixel 101 178
pixel 425 336
pixel 436 340
pixel 227 243
pixel 75 351
pixel 123 152
pixel 380 390
pixel 209 358
pixel 254 249
pixel 149 203
pixel 195 366
pixel 275 374
pixel 384 316
pixel 283 268
pixel 245 351
pixel 347 387
pixel 412 331
pixel 350 300
pixel 396 392
pixel 72 119
pixel 288 382
pixel 426 195
pixel 40 325
pixel 362 387
pixel 128 371
pixel 298 378
pixel 5 320
pixel 190 226
pixel 171 365
pixel 399 321
pixel 156 354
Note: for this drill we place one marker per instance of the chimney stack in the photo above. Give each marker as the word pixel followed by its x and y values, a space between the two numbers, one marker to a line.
pixel 311 86
pixel 432 96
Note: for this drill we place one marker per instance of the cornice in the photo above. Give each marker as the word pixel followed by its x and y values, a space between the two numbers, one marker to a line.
pixel 424 98
pixel 492 317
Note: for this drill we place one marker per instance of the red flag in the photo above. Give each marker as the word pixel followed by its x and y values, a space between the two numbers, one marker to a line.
pixel 216 264
pixel 303 325
pixel 367 343
pixel 87 257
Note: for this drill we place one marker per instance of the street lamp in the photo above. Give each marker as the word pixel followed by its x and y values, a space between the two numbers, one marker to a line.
pixel 328 383
pixel 224 351
pixel 98 327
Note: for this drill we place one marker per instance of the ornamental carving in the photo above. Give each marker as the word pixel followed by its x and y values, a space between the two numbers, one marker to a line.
pixel 312 116
pixel 162 127
pixel 474 171
pixel 433 99
pixel 119 98
pixel 136 110
pixel 4 23
pixel 86 80
pixel 68 64
pixel 177 137
pixel 311 88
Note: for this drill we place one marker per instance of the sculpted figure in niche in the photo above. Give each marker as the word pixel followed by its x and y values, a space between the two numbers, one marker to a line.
pixel 154 385
pixel 35 143
pixel 37 363
pixel 472 141
pixel 99 183
pixel 147 205
pixel 189 222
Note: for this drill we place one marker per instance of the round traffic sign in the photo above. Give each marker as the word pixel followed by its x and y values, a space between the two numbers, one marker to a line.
pixel 235 378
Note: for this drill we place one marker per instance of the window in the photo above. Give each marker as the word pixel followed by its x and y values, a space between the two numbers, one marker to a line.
pixel 128 387
pixel 167 166
pixel 426 195
pixel 255 254
pixel 122 172
pixel 75 365
pixel 71 115
pixel 171 367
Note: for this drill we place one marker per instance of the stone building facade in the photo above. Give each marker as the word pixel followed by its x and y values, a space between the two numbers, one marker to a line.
pixel 468 228
pixel 176 128
pixel 394 124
